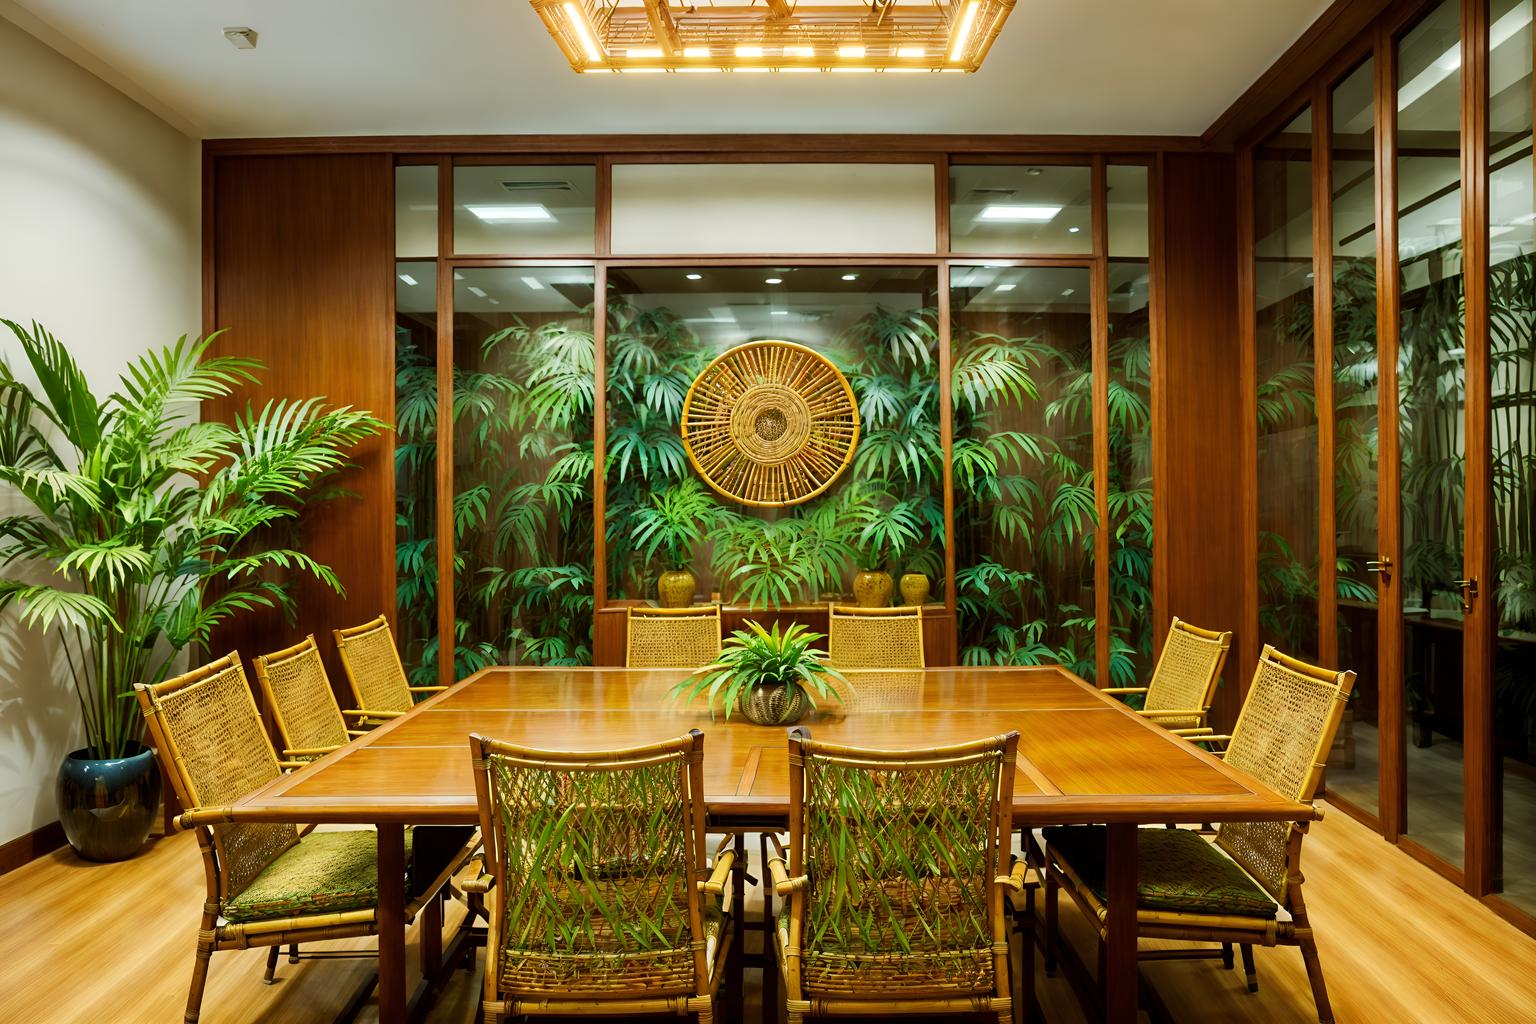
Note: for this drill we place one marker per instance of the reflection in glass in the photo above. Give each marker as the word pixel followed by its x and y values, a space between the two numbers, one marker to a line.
pixel 416 211
pixel 416 469
pixel 1126 210
pixel 524 210
pixel 1512 304
pixel 1287 407
pixel 886 511
pixel 522 466
pixel 1025 517
pixel 1431 397
pixel 1353 765
pixel 1001 208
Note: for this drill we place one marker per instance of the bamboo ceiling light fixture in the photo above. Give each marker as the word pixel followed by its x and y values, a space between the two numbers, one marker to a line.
pixel 655 36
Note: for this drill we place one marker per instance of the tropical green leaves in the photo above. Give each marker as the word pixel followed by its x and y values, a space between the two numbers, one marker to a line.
pixel 755 657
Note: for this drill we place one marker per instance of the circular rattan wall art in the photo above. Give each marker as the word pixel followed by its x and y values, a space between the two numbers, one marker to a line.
pixel 770 423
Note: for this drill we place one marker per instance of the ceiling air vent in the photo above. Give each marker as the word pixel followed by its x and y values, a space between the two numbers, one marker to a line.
pixel 553 185
pixel 988 195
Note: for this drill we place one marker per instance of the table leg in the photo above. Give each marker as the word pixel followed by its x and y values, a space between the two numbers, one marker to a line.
pixel 432 938
pixel 770 944
pixel 735 1006
pixel 391 924
pixel 1118 980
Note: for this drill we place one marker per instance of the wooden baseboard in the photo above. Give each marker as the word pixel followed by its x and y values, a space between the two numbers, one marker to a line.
pixel 25 849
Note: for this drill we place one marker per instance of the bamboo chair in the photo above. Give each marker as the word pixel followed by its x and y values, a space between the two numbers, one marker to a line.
pixel 606 904
pixel 671 637
pixel 268 884
pixel 1178 697
pixel 296 688
pixel 870 928
pixel 875 637
pixel 374 671
pixel 1245 887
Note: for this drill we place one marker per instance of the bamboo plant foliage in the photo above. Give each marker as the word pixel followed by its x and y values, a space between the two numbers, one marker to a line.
pixel 416 499
pixel 157 527
pixel 1130 480
pixel 887 511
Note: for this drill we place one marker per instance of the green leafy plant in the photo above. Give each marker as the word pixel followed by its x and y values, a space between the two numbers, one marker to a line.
pixel 158 527
pixel 676 520
pixel 754 657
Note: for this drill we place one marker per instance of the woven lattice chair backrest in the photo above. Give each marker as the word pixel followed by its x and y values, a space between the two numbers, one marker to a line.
pixel 215 739
pixel 874 637
pixel 1286 725
pixel 299 692
pixel 901 849
pixel 672 637
pixel 373 667
pixel 881 689
pixel 1187 671
pixel 596 856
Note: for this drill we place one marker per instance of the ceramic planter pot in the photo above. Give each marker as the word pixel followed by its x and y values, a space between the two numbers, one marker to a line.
pixel 676 588
pixel 914 588
pixel 773 704
pixel 872 589
pixel 108 806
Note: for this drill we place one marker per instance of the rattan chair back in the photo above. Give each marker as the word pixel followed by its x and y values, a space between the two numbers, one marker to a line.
pixel 299 693
pixel 872 690
pixel 210 739
pixel 672 637
pixel 901 851
pixel 597 857
pixel 875 637
pixel 373 667
pixel 1187 672
pixel 1284 730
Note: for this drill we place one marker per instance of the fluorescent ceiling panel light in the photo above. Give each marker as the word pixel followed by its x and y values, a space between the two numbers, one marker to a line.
pixel 749 51
pixel 1067 292
pixel 1006 287
pixel 494 302
pixel 503 213
pixel 408 279
pixel 695 52
pixel 643 53
pixel 477 291
pixel 911 51
pixel 963 30
pixel 533 283
pixel 849 52
pixel 583 29
pixel 693 277
pixel 778 312
pixel 773 280
pixel 1014 212
pixel 850 277
pixel 799 51
pixel 458 276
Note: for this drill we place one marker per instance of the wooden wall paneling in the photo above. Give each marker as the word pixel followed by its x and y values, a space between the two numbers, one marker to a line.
pixel 1481 763
pixel 1322 374
pixel 1099 320
pixel 447 616
pixel 603 243
pixel 1161 386
pixel 599 445
pixel 299 254
pixel 1203 488
pixel 1247 640
pixel 947 438
pixel 1389 651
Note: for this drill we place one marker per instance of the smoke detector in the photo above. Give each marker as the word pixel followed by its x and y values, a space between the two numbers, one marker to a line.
pixel 241 38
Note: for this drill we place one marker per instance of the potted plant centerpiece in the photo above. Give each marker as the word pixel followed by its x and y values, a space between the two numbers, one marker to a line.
pixel 671 526
pixel 773 678
pixel 157 528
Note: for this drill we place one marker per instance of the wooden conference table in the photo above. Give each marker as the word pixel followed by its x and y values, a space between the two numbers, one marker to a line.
pixel 1083 758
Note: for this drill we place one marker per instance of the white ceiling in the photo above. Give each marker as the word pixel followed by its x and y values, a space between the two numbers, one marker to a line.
pixel 360 67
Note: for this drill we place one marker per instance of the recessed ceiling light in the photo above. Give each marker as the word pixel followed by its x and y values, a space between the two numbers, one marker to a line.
pixel 1034 172
pixel 694 277
pixel 494 302
pixel 1009 211
pixel 850 51
pixel 477 291
pixel 778 312
pixel 533 283
pixel 773 280
pixel 408 279
pixel 1067 291
pixel 1006 287
pixel 850 277
pixel 241 38
pixel 501 213
pixel 1073 230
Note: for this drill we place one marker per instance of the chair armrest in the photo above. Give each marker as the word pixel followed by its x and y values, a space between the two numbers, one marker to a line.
pixel 1016 878
pixel 294 753
pixel 367 713
pixel 1194 731
pixel 1173 713
pixel 720 876
pixel 426 689
pixel 1123 689
pixel 482 882
pixel 286 765
pixel 778 871
pixel 354 733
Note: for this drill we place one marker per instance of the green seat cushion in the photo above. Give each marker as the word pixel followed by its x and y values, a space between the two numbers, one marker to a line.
pixel 1179 871
pixel 327 872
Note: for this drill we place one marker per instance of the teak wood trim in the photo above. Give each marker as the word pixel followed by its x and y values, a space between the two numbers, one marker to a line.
pixel 599 445
pixel 444 447
pixel 1157 260
pixel 1322 374
pixel 947 438
pixel 1248 630
pixel 1099 359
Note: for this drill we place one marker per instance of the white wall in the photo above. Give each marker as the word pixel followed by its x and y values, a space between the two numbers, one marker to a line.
pixel 99 241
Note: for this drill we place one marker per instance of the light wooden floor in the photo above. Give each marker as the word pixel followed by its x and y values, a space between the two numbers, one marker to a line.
pixel 83 942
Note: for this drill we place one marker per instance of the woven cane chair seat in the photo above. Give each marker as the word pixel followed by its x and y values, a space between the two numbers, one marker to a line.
pixel 672 637
pixel 327 872
pixel 874 637
pixel 302 702
pixel 1178 871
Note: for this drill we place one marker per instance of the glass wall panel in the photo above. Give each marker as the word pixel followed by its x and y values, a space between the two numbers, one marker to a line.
pixel 1512 305
pixel 1287 408
pixel 1025 516
pixel 1025 210
pixel 525 210
pixel 416 211
pixel 522 466
pixel 1431 403
pixel 416 469
pixel 877 326
pixel 1130 428
pixel 1354 765
pixel 773 208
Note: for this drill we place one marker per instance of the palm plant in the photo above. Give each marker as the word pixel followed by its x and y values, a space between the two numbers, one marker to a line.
pixel 674 522
pixel 756 657
pixel 158 528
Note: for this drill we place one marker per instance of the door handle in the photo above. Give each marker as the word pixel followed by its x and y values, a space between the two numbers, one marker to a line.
pixel 1382 565
pixel 1468 589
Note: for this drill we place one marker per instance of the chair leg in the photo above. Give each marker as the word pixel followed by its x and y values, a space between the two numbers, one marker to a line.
pixel 1226 956
pixel 1315 976
pixel 1051 934
pixel 707 1015
pixel 293 953
pixel 1249 969
pixel 270 977
pixel 199 975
